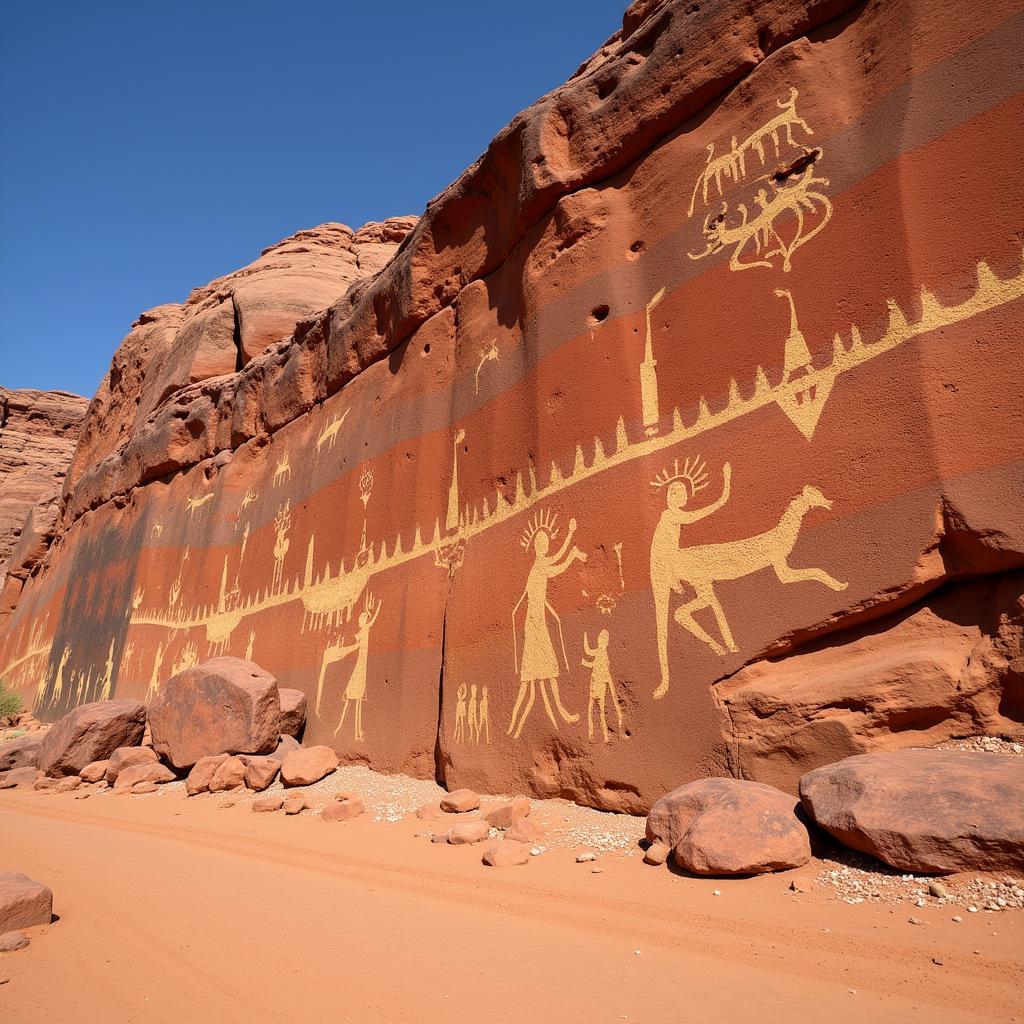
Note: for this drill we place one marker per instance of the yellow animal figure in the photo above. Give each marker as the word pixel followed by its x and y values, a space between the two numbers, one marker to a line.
pixel 601 683
pixel 283 470
pixel 329 434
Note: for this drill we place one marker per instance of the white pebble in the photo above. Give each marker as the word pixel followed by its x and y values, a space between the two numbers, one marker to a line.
pixel 717 892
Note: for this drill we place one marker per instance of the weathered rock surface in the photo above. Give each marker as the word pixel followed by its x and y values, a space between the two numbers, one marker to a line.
pixel 20 778
pixel 22 752
pixel 94 771
pixel 927 811
pixel 308 765
pixel 23 902
pixel 38 431
pixel 127 757
pixel 153 772
pixel 229 774
pixel 91 732
pixel 293 713
pixel 730 827
pixel 224 706
pixel 634 417
pixel 260 772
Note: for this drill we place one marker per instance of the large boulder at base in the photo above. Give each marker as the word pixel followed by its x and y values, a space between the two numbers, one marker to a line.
pixel 91 732
pixel 224 706
pixel 128 757
pixel 928 811
pixel 730 827
pixel 23 902
pixel 22 752
pixel 293 713
pixel 307 765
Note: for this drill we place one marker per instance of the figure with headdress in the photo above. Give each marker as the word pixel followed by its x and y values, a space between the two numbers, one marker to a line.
pixel 539 662
pixel 681 487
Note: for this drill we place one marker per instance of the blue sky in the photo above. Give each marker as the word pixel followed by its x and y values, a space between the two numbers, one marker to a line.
pixel 147 148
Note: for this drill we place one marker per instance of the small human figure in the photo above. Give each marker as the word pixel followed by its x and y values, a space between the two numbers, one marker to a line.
pixel 484 721
pixel 356 689
pixel 460 715
pixel 601 683
pixel 474 727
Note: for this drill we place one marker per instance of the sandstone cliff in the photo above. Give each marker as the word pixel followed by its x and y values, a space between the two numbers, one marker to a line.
pixel 682 435
pixel 38 431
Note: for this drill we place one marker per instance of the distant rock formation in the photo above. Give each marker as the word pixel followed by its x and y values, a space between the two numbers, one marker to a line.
pixel 38 432
pixel 679 437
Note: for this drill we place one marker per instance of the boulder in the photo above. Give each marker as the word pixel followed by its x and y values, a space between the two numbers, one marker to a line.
pixel 129 757
pixel 293 713
pixel 67 784
pixel 260 772
pixel 23 902
pixel 95 770
pixel 465 832
pixel 223 706
pixel 45 783
pixel 343 810
pixel 202 773
pixel 151 772
pixel 20 778
pixel 268 803
pixel 12 941
pixel 294 803
pixel 506 854
pixel 525 830
pixel 22 752
pixel 730 827
pixel 91 732
pixel 507 814
pixel 285 745
pixel 924 811
pixel 429 812
pixel 143 787
pixel 307 765
pixel 459 801
pixel 229 774
pixel 657 853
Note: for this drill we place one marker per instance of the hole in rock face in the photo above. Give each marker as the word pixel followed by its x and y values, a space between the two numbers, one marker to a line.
pixel 606 87
pixel 636 249
pixel 426 349
pixel 599 313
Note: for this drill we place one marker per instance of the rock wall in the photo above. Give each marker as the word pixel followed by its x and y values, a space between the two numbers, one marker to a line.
pixel 38 431
pixel 681 436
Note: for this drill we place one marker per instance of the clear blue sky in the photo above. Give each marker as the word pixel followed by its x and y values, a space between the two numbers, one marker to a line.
pixel 146 148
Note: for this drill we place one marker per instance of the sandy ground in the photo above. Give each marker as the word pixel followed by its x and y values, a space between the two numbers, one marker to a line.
pixel 177 909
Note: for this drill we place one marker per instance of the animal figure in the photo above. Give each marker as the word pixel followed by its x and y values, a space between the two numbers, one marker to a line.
pixel 762 230
pixel 329 434
pixel 283 470
pixel 193 503
pixel 732 164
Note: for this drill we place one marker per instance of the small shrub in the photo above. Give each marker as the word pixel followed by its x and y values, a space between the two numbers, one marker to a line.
pixel 10 702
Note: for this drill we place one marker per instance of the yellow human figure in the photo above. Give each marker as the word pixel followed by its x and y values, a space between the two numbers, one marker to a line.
pixel 601 683
pixel 539 661
pixel 154 679
pixel 356 689
pixel 483 723
pixel 665 550
pixel 474 726
pixel 108 674
pixel 460 715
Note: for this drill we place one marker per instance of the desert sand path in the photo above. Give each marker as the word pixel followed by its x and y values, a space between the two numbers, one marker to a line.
pixel 178 910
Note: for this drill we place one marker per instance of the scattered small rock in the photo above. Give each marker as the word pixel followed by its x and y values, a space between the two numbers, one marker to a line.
pixel 294 804
pixel 13 940
pixel 657 853
pixel 268 803
pixel 460 801
pixel 584 858
pixel 343 810
pixel 506 854
pixel 24 902
pixel 507 814
pixel 526 830
pixel 465 832
pixel 146 786
pixel 308 765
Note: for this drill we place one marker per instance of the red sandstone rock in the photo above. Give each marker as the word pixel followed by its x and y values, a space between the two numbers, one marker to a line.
pixel 285 745
pixel 144 786
pixel 128 757
pixel 657 853
pixel 229 774
pixel 67 784
pixel 526 830
pixel 151 772
pixel 91 732
pixel 295 803
pixel 45 784
pixel 260 772
pixel 730 827
pixel 12 941
pixel 465 832
pixel 429 812
pixel 20 778
pixel 925 811
pixel 202 773
pixel 95 770
pixel 460 801
pixel 343 810
pixel 506 854
pixel 268 803
pixel 293 713
pixel 23 902
pixel 308 765
pixel 507 814
pixel 22 752
pixel 224 706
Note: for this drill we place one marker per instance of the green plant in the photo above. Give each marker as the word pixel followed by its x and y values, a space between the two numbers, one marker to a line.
pixel 10 702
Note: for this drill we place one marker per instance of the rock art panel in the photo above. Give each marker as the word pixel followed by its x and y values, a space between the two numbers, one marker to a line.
pixel 563 496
